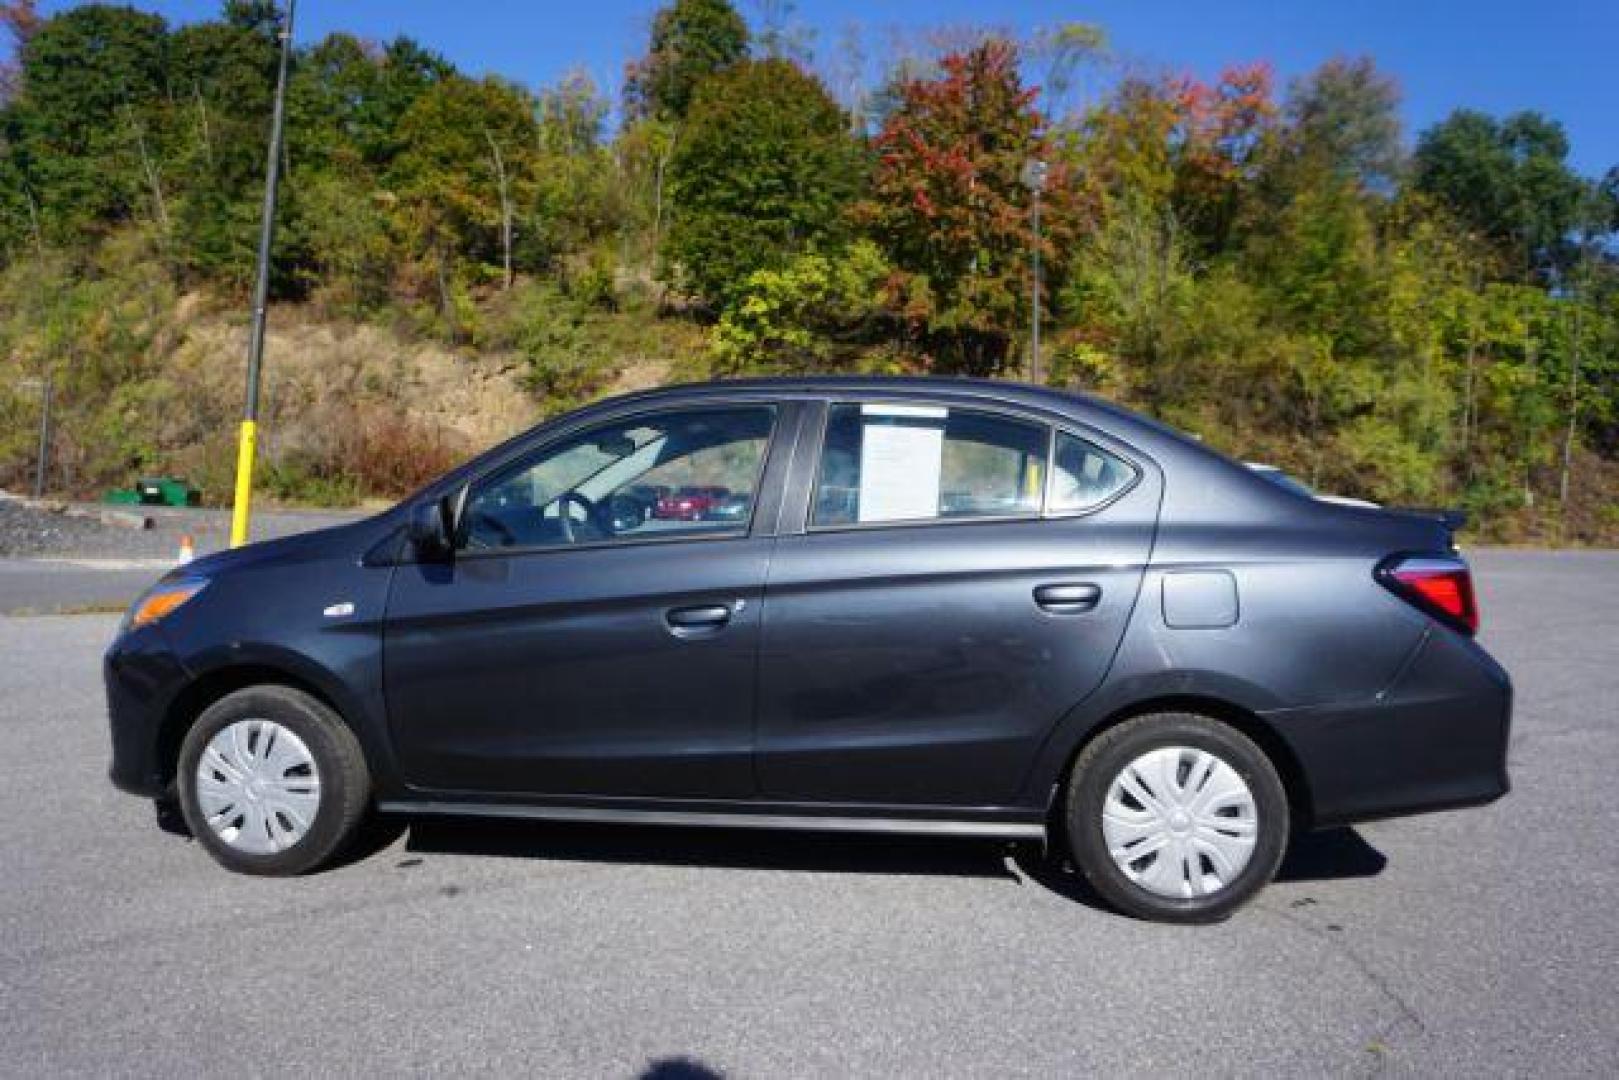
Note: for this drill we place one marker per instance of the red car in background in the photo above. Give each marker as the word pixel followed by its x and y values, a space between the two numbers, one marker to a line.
pixel 689 503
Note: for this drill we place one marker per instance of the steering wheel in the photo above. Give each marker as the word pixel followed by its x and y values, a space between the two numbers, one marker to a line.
pixel 565 521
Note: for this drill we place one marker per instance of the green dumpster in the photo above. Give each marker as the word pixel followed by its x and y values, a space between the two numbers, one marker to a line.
pixel 156 491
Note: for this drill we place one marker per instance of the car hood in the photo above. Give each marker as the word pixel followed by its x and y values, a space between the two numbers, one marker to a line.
pixel 348 538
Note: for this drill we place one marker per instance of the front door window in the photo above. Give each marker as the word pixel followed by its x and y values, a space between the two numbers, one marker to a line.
pixel 689 474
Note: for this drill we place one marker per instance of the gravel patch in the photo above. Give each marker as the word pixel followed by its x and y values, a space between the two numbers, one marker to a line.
pixel 35 530
pixel 31 529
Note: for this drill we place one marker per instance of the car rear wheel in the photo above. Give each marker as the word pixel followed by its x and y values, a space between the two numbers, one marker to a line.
pixel 1176 817
pixel 272 781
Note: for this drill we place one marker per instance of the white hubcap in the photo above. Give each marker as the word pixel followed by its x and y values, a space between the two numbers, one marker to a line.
pixel 258 787
pixel 1179 822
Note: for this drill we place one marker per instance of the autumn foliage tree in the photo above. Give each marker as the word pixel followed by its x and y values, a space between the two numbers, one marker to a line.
pixel 469 149
pixel 1182 146
pixel 947 204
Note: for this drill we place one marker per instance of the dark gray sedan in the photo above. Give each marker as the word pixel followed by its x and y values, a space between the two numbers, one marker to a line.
pixel 927 606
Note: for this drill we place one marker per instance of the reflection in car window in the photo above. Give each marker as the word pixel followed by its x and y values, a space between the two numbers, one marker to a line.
pixel 1085 476
pixel 919 462
pixel 687 473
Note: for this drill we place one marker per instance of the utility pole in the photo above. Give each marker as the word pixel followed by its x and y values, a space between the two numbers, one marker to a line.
pixel 1034 178
pixel 44 438
pixel 42 462
pixel 248 444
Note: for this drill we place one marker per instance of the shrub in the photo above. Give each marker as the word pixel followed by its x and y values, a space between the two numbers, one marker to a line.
pixel 815 311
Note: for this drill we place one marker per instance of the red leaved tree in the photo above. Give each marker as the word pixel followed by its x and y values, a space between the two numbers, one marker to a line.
pixel 1184 145
pixel 948 205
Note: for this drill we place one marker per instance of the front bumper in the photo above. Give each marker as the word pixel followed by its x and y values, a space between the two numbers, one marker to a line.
pixel 1435 739
pixel 143 678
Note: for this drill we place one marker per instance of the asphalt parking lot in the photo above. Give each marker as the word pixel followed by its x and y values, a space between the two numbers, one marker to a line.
pixel 1482 942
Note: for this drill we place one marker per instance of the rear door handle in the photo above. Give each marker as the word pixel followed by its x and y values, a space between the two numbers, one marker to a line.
pixel 688 620
pixel 1067 599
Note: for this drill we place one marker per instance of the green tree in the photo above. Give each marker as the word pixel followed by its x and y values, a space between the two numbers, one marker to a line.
pixel 764 169
pixel 1509 180
pixel 89 77
pixel 342 243
pixel 1345 121
pixel 216 119
pixel 19 207
pixel 342 233
pixel 692 40
pixel 465 170
pixel 347 99
pixel 1059 53
pixel 578 200
pixel 1134 282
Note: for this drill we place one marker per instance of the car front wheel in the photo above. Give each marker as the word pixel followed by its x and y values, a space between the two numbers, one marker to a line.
pixel 272 781
pixel 1176 817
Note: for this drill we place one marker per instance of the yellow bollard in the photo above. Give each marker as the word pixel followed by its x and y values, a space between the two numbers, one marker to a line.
pixel 244 483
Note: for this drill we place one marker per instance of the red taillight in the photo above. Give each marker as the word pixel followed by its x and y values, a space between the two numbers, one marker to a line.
pixel 1440 584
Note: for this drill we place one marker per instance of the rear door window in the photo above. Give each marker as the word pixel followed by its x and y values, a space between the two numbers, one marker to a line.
pixel 916 463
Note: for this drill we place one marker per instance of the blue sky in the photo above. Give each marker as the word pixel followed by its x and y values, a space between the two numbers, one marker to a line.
pixel 1493 55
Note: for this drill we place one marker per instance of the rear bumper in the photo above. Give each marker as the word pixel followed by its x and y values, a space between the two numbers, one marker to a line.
pixel 142 678
pixel 1435 739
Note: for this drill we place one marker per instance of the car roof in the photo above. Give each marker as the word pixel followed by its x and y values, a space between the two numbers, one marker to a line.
pixel 989 390
pixel 824 384
pixel 1122 422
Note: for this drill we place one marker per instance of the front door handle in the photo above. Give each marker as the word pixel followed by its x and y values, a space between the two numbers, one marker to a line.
pixel 1068 599
pixel 690 620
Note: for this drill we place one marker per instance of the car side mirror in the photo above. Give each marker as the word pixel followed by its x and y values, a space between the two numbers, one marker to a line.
pixel 430 531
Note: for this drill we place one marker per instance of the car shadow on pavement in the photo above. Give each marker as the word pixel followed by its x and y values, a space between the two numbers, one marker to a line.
pixel 759 849
pixel 1332 854
pixel 1329 855
pixel 681 1068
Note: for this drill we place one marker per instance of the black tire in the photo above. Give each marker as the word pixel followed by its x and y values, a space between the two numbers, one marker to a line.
pixel 1106 757
pixel 345 782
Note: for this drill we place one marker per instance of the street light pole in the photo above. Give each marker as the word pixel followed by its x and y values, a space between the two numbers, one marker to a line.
pixel 247 445
pixel 1034 178
pixel 1034 308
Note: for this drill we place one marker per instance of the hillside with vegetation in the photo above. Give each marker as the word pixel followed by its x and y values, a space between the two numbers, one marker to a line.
pixel 1427 318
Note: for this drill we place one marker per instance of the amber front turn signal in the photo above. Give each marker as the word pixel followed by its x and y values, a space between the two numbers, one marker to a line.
pixel 161 601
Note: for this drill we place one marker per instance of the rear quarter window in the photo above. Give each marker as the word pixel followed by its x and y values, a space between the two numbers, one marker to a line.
pixel 1084 476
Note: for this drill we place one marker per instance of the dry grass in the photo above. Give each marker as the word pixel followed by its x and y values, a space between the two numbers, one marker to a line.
pixel 347 410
